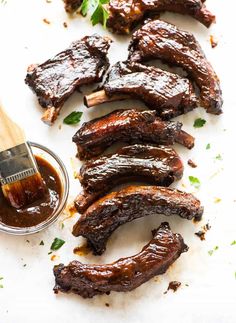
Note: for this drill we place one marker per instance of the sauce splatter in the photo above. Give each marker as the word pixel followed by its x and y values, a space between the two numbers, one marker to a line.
pixel 213 42
pixel 82 250
pixel 46 21
pixel 191 163
pixel 174 286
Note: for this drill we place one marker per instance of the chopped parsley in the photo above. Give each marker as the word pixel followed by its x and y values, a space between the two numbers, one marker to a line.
pixel 210 252
pixel 73 118
pixel 41 243
pixel 100 15
pixel 199 123
pixel 99 12
pixel 208 146
pixel 62 225
pixel 57 244
pixel 233 243
pixel 1 286
pixel 219 157
pixel 194 181
pixel 84 7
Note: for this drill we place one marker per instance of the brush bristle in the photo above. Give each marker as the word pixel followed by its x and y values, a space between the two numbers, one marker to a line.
pixel 26 191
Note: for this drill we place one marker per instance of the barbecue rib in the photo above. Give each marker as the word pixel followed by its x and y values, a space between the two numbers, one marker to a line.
pixel 103 217
pixel 126 14
pixel 125 274
pixel 155 165
pixel 130 126
pixel 72 5
pixel 167 93
pixel 162 40
pixel 84 62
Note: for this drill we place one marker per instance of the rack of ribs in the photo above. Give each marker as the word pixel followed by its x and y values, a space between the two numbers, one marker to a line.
pixel 130 126
pixel 143 163
pixel 167 93
pixel 84 62
pixel 104 216
pixel 125 274
pixel 125 15
pixel 161 40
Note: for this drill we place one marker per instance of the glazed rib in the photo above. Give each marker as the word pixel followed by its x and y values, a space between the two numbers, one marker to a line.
pixel 162 40
pixel 130 126
pixel 167 93
pixel 84 62
pixel 125 15
pixel 155 165
pixel 103 217
pixel 125 274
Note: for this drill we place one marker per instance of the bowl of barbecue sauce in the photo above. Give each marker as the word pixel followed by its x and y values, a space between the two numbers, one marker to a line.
pixel 44 212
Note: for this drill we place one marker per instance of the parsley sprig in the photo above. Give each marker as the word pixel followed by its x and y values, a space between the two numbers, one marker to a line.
pixel 99 13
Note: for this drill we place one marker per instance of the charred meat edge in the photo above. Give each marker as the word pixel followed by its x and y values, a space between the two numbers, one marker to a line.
pixel 125 274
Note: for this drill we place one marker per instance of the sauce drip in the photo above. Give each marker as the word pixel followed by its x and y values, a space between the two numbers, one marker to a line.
pixel 40 210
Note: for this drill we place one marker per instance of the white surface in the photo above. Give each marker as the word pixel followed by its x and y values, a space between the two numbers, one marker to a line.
pixel 211 296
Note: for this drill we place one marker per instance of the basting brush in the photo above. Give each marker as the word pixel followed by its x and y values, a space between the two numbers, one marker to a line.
pixel 21 181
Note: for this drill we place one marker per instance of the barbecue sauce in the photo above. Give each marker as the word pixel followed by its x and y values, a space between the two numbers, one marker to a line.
pixel 40 210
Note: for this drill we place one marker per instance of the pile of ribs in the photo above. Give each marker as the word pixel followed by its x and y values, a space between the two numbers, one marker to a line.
pixel 167 93
pixel 133 181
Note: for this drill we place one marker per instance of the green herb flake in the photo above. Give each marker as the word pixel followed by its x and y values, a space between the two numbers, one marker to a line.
pixel 219 157
pixel 50 252
pixel 1 278
pixel 62 225
pixel 233 243
pixel 57 244
pixel 73 118
pixel 210 252
pixel 194 181
pixel 100 14
pixel 24 265
pixel 84 7
pixel 1 286
pixel 199 123
pixel 41 243
pixel 208 146
pixel 98 10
